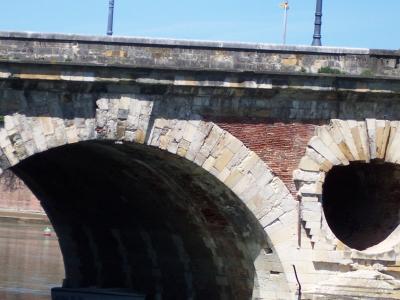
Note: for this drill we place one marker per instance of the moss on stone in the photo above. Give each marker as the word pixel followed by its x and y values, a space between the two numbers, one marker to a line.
pixel 329 70
pixel 367 72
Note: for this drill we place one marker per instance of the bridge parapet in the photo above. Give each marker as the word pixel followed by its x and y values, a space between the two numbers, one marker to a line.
pixel 130 52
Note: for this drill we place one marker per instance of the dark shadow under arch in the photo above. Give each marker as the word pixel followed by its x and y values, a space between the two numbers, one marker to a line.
pixel 361 202
pixel 135 217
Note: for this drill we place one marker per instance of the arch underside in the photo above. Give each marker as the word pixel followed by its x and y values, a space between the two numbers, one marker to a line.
pixel 133 217
pixel 145 195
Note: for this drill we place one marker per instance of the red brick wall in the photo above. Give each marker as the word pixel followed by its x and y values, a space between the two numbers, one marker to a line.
pixel 15 195
pixel 280 145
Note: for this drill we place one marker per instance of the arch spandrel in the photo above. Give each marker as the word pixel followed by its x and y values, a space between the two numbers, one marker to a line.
pixel 63 120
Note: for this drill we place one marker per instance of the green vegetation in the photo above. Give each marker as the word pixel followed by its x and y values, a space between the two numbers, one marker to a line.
pixel 367 72
pixel 329 70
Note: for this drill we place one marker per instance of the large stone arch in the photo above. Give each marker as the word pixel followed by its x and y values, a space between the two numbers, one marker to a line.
pixel 41 121
pixel 357 151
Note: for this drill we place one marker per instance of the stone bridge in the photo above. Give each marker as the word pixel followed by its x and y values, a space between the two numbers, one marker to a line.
pixel 207 170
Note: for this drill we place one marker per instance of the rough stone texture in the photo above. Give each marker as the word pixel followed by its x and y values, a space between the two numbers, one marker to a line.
pixel 175 54
pixel 227 121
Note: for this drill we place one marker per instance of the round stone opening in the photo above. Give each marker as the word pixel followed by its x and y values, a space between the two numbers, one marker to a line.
pixel 361 202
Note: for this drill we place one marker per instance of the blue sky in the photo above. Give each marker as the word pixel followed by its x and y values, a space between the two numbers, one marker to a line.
pixel 352 23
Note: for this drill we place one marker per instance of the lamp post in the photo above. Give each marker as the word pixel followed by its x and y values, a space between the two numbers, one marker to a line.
pixel 110 17
pixel 285 6
pixel 317 25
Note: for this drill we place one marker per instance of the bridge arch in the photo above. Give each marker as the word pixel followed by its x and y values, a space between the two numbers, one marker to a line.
pixel 348 182
pixel 47 135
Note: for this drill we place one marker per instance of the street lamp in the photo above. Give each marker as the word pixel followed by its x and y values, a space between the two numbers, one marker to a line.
pixel 317 25
pixel 285 6
pixel 110 17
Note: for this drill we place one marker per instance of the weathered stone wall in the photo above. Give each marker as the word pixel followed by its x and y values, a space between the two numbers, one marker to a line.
pixel 175 54
pixel 246 114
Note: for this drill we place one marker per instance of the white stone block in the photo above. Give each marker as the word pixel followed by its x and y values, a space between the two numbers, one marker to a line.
pixel 307 164
pixel 383 129
pixel 354 129
pixel 4 139
pixel 189 132
pixel 308 176
pixel 324 164
pixel 232 143
pixel 312 206
pixel 317 144
pixel 371 130
pixel 311 188
pixel 313 216
pixel 309 199
pixel 102 103
pixel 328 140
pixel 345 130
pixel 362 129
pixel 246 181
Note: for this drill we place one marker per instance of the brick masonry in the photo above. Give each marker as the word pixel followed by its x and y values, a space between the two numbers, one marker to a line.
pixel 16 196
pixel 280 145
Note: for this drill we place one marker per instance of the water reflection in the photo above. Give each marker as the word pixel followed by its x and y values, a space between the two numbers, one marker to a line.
pixel 30 263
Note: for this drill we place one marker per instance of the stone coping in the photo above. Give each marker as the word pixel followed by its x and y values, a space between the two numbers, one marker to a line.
pixel 195 43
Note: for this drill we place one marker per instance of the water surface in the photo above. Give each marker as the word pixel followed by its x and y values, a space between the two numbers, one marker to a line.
pixel 30 263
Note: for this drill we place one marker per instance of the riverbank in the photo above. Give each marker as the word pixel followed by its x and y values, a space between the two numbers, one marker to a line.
pixel 22 217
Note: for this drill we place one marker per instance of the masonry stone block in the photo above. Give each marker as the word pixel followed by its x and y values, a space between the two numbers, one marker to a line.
pixel 307 164
pixel 348 137
pixel 328 140
pixel 371 136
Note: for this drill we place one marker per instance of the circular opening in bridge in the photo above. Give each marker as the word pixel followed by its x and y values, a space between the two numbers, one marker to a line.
pixel 361 204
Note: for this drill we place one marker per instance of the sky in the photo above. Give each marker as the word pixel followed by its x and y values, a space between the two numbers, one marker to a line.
pixel 347 23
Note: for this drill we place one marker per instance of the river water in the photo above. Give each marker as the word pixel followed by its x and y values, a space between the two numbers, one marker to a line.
pixel 30 263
